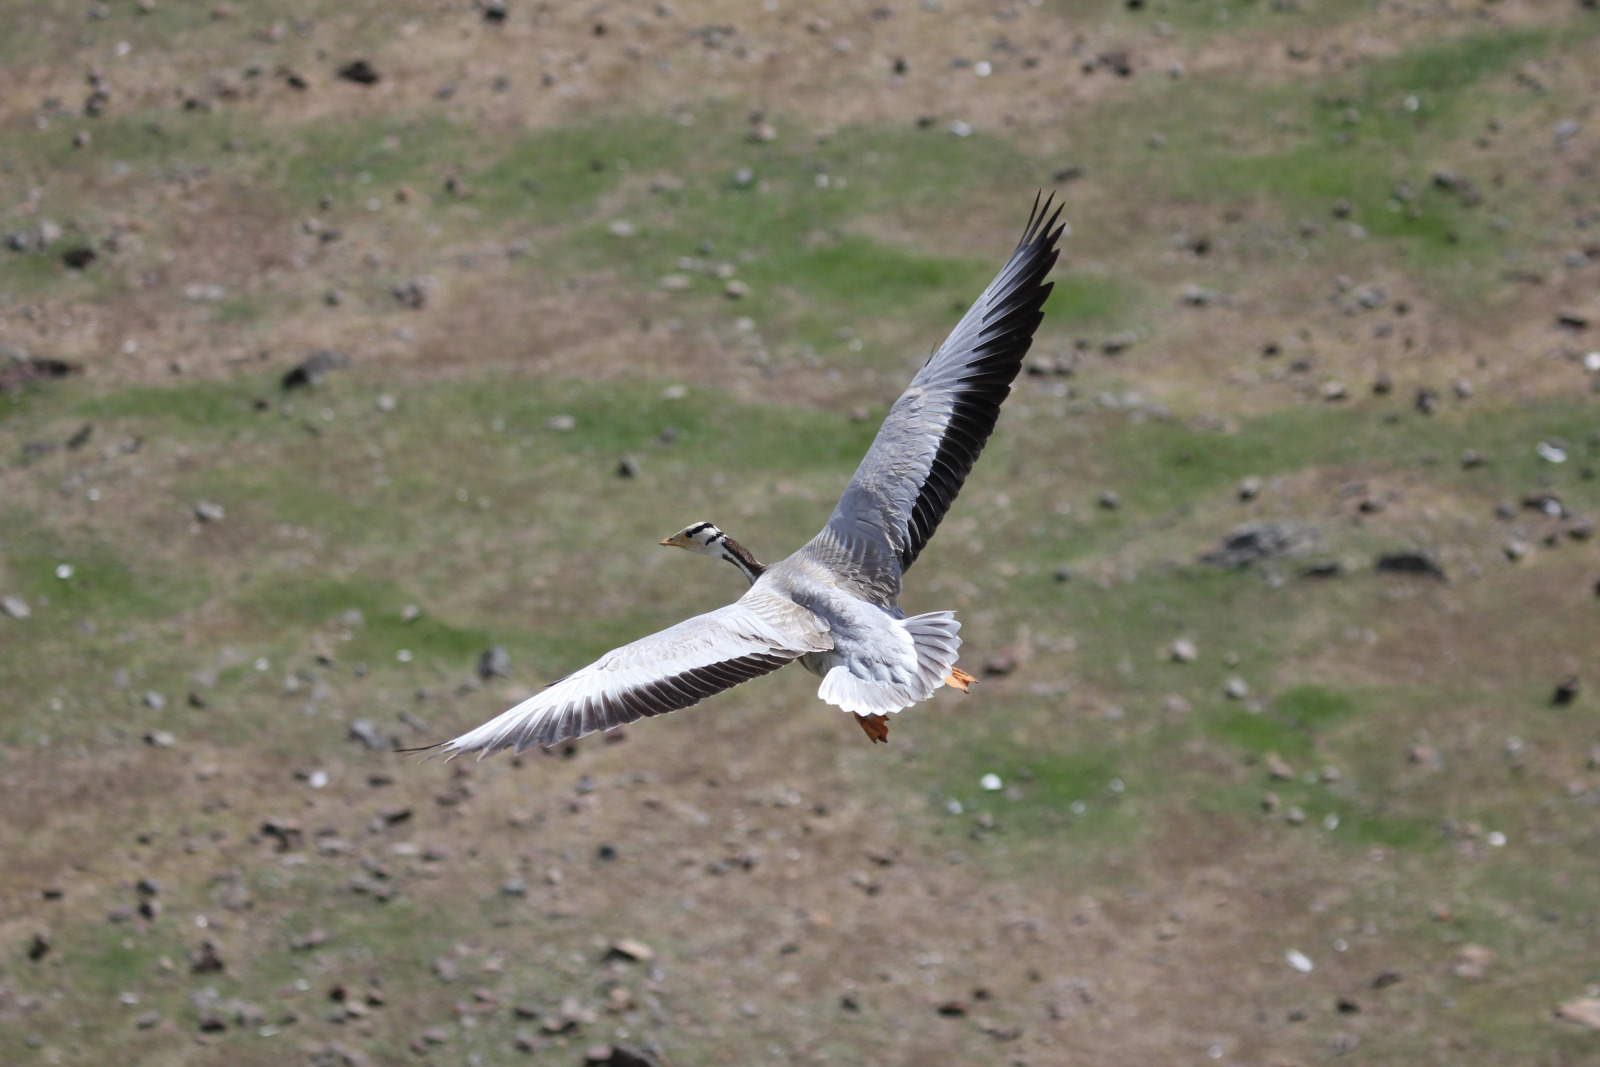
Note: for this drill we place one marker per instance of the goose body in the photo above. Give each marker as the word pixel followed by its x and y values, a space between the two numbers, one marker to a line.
pixel 834 604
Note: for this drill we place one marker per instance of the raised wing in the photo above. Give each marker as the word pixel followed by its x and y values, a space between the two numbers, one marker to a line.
pixel 680 666
pixel 933 434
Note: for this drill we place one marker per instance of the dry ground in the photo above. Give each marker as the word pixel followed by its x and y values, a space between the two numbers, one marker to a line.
pixel 1346 254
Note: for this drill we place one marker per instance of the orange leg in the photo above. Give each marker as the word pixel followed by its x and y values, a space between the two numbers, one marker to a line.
pixel 876 727
pixel 959 679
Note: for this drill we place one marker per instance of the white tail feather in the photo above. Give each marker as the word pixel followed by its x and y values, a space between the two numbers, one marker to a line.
pixel 934 637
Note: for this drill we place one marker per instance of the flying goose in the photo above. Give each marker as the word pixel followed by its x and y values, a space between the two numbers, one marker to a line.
pixel 834 604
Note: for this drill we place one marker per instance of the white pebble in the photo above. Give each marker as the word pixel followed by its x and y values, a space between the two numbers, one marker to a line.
pixel 991 782
pixel 1299 961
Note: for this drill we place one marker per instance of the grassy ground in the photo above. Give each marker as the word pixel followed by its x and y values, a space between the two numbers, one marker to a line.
pixel 1341 255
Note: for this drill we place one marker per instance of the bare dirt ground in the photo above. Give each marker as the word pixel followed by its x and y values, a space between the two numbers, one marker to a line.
pixel 1333 271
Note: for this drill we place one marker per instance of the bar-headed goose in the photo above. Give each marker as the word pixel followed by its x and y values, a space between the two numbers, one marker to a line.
pixel 834 604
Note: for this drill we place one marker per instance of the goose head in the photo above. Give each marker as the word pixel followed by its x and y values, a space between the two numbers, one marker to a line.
pixel 703 538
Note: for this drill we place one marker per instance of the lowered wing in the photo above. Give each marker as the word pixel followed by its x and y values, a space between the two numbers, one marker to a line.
pixel 672 669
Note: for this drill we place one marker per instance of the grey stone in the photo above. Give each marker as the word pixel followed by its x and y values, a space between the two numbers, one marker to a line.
pixel 1245 545
pixel 494 663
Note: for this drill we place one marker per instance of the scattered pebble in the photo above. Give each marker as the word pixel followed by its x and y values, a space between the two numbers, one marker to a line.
pixel 494 663
pixel 207 512
pixel 1416 563
pixel 1245 545
pixel 1299 961
pixel 1585 1011
pixel 1566 691
pixel 1472 962
pixel 314 368
pixel 15 607
pixel 359 71
pixel 630 949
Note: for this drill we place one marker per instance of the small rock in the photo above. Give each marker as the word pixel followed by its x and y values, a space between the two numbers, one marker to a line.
pixel 39 947
pixel 630 949
pixel 1246 544
pixel 494 663
pixel 1566 692
pixel 207 512
pixel 148 1021
pixel 1384 979
pixel 1250 488
pixel 154 700
pixel 1472 962
pixel 1109 500
pixel 446 969
pixel 364 731
pixel 628 467
pixel 951 1008
pixel 359 71
pixel 79 258
pixel 1416 563
pixel 1278 768
pixel 1294 816
pixel 15 607
pixel 1585 1011
pixel 200 293
pixel 1182 651
pixel 314 368
pixel 412 294
pixel 206 959
pixel 736 290
pixel 1000 663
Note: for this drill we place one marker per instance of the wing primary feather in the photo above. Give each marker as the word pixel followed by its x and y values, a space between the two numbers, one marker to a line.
pixel 984 373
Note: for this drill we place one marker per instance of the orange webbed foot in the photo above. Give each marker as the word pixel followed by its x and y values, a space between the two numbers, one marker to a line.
pixel 876 727
pixel 959 679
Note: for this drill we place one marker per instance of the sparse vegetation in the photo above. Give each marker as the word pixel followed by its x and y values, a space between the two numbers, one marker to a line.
pixel 1332 272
